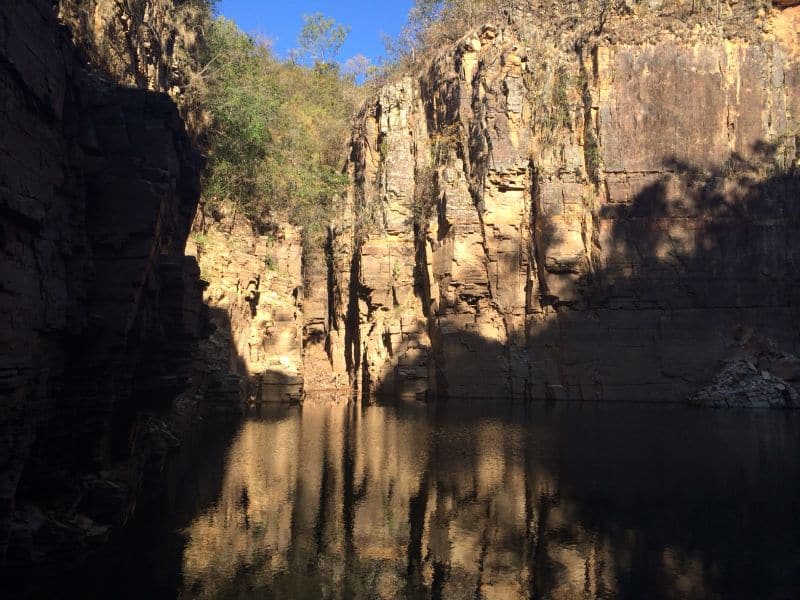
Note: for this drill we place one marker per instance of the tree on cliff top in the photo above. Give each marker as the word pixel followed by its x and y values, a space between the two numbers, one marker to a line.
pixel 321 39
pixel 277 128
pixel 433 24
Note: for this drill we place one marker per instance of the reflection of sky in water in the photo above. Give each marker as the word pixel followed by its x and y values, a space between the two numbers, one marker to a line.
pixel 569 503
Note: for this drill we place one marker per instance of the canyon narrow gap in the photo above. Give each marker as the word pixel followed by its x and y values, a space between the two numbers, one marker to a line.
pixel 512 314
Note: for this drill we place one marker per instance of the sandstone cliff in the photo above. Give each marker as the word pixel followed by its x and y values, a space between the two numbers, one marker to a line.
pixel 255 300
pixel 591 221
pixel 268 301
pixel 99 307
pixel 538 213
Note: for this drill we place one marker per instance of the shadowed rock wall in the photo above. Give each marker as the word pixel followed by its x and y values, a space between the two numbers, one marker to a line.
pixel 99 309
pixel 593 223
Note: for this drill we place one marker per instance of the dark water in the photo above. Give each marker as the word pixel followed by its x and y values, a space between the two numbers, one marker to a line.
pixel 415 502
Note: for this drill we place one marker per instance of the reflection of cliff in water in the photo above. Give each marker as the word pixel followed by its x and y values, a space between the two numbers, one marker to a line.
pixel 567 503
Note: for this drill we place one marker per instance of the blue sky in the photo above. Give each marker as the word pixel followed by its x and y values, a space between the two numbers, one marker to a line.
pixel 281 20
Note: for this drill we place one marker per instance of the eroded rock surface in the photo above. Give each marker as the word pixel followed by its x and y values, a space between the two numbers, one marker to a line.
pixel 755 374
pixel 255 300
pixel 530 222
pixel 149 44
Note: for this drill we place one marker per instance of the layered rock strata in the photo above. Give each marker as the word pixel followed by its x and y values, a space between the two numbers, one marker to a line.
pixel 255 303
pixel 99 308
pixel 526 221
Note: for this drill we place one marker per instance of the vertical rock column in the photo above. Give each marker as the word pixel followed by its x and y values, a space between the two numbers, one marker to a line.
pixel 478 239
pixel 392 339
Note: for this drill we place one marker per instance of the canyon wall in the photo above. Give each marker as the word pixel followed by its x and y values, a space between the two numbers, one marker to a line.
pixel 268 304
pixel 100 310
pixel 592 222
pixel 149 44
pixel 255 302
pixel 526 219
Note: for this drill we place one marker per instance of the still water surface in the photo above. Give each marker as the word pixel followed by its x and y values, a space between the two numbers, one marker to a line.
pixel 460 502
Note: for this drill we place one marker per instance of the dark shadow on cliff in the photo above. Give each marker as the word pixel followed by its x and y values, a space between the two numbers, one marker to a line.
pixel 691 257
pixel 673 272
pixel 192 482
pixel 168 457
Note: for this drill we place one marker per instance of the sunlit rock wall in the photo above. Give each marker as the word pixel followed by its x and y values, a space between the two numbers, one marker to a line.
pixel 254 296
pixel 375 251
pixel 595 223
pixel 149 44
pixel 325 376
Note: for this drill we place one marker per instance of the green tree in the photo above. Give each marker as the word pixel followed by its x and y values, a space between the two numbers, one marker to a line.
pixel 321 38
pixel 277 132
pixel 244 100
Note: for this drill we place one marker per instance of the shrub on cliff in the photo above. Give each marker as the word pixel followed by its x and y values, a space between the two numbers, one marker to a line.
pixel 150 44
pixel 435 24
pixel 277 130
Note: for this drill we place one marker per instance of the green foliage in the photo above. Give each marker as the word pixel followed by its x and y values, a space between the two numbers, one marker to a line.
pixel 548 86
pixel 277 130
pixel 321 38
pixel 200 239
pixel 444 143
pixel 425 193
pixel 592 157
pixel 561 105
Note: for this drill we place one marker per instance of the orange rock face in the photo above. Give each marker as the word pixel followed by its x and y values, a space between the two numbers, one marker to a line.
pixel 588 226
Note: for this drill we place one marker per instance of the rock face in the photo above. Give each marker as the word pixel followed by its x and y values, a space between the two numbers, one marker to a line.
pixel 523 221
pixel 268 304
pixel 149 44
pixel 531 223
pixel 99 308
pixel 255 300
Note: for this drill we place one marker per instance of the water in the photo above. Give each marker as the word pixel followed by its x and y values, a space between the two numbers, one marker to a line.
pixel 572 501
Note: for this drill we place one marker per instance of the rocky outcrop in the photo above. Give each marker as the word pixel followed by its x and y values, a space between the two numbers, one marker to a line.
pixel 99 308
pixel 532 221
pixel 268 304
pixel 755 374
